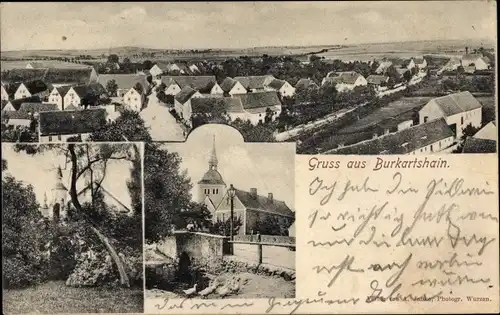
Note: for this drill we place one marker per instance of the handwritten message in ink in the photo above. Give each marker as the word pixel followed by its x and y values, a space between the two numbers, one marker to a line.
pixel 400 233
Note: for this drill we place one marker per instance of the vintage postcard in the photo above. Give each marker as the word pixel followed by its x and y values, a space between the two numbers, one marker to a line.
pixel 250 157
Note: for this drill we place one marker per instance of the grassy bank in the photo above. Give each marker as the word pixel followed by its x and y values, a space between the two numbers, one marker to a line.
pixel 55 297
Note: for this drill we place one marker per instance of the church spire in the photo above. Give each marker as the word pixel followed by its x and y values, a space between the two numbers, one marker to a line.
pixel 212 163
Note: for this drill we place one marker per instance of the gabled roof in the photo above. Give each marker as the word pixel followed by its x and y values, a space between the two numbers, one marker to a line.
pixel 124 81
pixel 203 84
pixel 212 177
pixel 261 203
pixel 259 100
pixel 377 79
pixel 71 122
pixel 95 89
pixel 471 57
pixel 347 77
pixel 233 104
pixel 489 131
pixel 12 88
pixel 185 94
pixel 401 142
pixel 168 81
pixel 254 82
pixel 68 76
pixel 6 114
pixel 474 145
pixel 35 86
pixel 306 83
pixel 227 84
pixel 37 107
pixel 62 90
pixel 277 84
pixel 17 103
pixel 457 103
pixel 38 65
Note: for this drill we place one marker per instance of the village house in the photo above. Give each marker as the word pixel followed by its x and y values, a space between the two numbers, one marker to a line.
pixel 484 141
pixel 14 105
pixel 458 109
pixel 206 85
pixel 57 94
pixel 182 102
pixel 256 106
pixel 36 65
pixel 383 66
pixel 282 87
pixel 4 93
pixel 451 65
pixel 131 91
pixel 68 77
pixel 421 63
pixel 200 104
pixel 345 81
pixel 255 83
pixel 431 137
pixel 304 84
pixel 26 113
pixel 59 126
pixel 377 80
pixel 248 206
pixel 31 88
pixel 232 87
pixel 156 72
pixel 478 61
pixel 489 132
pixel 81 96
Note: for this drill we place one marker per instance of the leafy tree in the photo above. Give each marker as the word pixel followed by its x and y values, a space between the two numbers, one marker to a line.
pixel 129 126
pixel 139 88
pixel 468 131
pixel 223 227
pixel 112 88
pixel 166 191
pixel 196 214
pixel 214 110
pixel 251 133
pixel 271 225
pixel 24 234
pixel 314 58
pixel 113 58
pixel 147 64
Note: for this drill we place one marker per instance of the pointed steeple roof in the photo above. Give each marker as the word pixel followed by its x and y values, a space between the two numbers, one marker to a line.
pixel 213 162
pixel 45 204
pixel 59 178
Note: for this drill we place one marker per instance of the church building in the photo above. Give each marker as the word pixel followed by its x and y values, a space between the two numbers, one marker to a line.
pixel 249 206
pixel 56 210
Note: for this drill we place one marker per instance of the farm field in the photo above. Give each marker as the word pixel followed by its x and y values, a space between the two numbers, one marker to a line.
pixel 8 65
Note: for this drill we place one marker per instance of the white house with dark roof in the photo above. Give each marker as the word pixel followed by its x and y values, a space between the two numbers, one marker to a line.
pixel 255 106
pixel 420 63
pixel 131 96
pixel 206 84
pixel 282 87
pixel 478 61
pixel 57 94
pixel 249 206
pixel 31 88
pixel 232 87
pixel 345 81
pixel 59 126
pixel 26 113
pixel 156 71
pixel 182 102
pixel 256 83
pixel 14 105
pixel 432 137
pixel 78 95
pixel 458 109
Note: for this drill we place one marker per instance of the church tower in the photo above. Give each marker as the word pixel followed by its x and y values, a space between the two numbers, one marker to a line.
pixel 212 184
pixel 59 196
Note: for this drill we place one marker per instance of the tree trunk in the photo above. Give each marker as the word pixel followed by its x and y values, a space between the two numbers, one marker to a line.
pixel 74 199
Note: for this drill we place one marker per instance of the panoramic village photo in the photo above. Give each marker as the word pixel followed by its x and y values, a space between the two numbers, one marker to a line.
pixel 72 228
pixel 219 217
pixel 335 81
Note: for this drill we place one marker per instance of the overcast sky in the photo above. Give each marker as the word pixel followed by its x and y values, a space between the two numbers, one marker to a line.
pixel 269 167
pixel 40 171
pixel 237 25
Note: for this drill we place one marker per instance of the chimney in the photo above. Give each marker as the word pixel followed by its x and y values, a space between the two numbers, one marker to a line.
pixel 270 197
pixel 253 192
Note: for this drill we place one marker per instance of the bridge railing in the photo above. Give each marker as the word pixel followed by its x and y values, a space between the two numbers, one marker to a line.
pixel 268 249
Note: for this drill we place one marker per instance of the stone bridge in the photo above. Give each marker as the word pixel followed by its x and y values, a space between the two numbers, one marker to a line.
pixel 187 246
